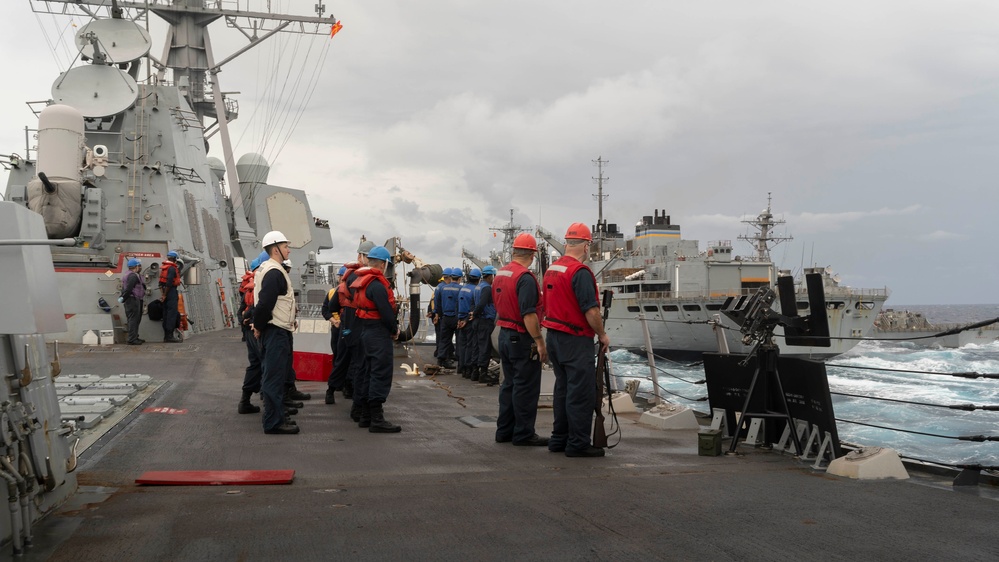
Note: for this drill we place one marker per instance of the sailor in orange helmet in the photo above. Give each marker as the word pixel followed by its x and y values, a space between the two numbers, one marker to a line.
pixel 518 313
pixel 572 317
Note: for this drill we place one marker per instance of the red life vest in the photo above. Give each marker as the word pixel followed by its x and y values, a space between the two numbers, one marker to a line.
pixel 246 288
pixel 343 289
pixel 562 311
pixel 165 268
pixel 505 297
pixel 366 310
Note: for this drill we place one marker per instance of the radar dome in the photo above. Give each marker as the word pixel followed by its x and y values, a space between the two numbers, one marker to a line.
pixel 217 167
pixel 252 168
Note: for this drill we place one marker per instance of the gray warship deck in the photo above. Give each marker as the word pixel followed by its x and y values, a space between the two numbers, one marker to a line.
pixel 444 490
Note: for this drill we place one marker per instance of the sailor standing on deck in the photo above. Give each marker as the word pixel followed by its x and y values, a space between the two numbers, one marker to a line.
pixel 484 314
pixel 572 317
pixel 169 281
pixel 349 358
pixel 376 318
pixel 521 347
pixel 273 324
pixel 133 289
pixel 333 317
pixel 447 309
pixel 466 325
pixel 251 378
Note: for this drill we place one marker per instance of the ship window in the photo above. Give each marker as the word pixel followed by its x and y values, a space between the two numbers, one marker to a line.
pixel 864 305
pixel 835 305
pixel 670 308
pixel 691 307
pixel 713 306
pixel 633 309
pixel 651 308
pixel 802 305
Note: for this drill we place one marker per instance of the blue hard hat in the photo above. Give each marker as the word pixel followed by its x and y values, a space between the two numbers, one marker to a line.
pixel 446 272
pixel 379 253
pixel 342 270
pixel 254 264
pixel 489 270
pixel 132 262
pixel 171 254
pixel 457 272
pixel 475 272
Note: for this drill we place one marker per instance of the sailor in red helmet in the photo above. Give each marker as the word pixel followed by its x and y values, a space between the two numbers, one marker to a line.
pixel 518 313
pixel 572 317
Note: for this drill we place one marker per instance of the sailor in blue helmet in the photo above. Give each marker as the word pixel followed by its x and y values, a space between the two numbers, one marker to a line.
pixel 438 318
pixel 448 310
pixel 466 324
pixel 484 314
pixel 169 281
pixel 375 307
pixel 348 359
pixel 133 289
pixel 251 378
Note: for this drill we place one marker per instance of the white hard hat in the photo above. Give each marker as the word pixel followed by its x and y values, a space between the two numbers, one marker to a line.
pixel 274 237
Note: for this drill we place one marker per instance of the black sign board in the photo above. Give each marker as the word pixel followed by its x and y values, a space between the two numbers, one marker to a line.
pixel 806 390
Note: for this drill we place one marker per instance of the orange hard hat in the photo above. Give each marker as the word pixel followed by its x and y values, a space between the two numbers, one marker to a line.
pixel 525 241
pixel 578 231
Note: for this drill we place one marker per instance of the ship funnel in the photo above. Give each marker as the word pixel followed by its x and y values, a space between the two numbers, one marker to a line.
pixel 56 193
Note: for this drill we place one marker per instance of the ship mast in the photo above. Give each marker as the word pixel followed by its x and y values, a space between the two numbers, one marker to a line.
pixel 510 231
pixel 763 241
pixel 599 196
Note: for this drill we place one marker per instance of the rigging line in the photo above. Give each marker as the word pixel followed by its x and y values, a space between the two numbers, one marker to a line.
pixel 967 374
pixel 661 387
pixel 308 98
pixel 964 407
pixel 281 95
pixel 961 466
pixel 975 438
pixel 665 372
pixel 281 134
pixel 52 49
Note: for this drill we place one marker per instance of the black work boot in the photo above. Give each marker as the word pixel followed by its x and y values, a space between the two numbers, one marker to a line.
pixel 348 390
pixel 244 404
pixel 330 396
pixel 355 411
pixel 378 423
pixel 296 394
pixel 466 372
pixel 289 403
pixel 476 373
pixel 365 419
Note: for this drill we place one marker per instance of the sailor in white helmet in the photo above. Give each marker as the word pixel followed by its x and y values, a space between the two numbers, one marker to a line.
pixel 273 324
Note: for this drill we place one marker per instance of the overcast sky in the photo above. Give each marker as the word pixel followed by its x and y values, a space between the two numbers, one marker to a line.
pixel 875 125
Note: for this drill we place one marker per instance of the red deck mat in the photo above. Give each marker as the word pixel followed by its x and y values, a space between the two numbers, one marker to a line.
pixel 215 477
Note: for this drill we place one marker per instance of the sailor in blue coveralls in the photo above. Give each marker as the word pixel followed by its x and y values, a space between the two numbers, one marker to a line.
pixel 448 311
pixel 466 324
pixel 484 315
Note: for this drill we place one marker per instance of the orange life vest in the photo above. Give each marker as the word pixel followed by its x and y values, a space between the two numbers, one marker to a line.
pixel 165 269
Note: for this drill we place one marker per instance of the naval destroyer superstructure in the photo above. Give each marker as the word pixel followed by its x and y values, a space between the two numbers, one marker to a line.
pixel 119 163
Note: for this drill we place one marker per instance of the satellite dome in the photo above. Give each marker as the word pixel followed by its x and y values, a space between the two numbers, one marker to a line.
pixel 252 168
pixel 217 167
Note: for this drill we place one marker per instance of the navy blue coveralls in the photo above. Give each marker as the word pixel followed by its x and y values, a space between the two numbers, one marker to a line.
pixel 485 322
pixel 275 349
pixel 376 341
pixel 466 347
pixel 448 309
pixel 573 360
pixel 521 387
pixel 251 378
pixel 171 316
pixel 348 357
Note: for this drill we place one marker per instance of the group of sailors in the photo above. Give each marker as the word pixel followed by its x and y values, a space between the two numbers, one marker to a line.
pixel 133 291
pixel 362 311
pixel 464 316
pixel 365 321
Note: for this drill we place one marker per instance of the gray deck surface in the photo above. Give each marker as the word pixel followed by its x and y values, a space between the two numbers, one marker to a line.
pixel 442 490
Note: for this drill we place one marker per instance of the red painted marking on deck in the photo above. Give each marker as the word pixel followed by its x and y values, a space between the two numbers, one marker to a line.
pixel 215 477
pixel 163 410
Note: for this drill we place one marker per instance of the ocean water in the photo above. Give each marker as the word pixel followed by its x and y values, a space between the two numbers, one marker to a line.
pixel 678 382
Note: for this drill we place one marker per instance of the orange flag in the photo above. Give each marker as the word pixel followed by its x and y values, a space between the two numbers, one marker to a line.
pixel 336 27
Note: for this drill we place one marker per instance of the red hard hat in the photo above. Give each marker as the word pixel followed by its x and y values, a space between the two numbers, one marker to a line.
pixel 578 231
pixel 525 241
